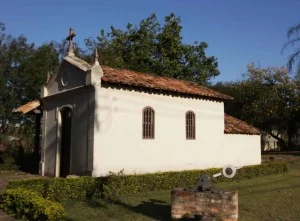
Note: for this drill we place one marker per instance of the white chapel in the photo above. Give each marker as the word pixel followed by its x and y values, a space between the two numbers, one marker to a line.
pixel 98 119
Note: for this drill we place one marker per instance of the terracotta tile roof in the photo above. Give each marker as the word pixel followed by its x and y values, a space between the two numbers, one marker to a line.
pixel 133 78
pixel 236 126
pixel 27 107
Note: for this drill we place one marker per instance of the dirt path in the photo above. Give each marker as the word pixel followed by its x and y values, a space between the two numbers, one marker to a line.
pixel 5 217
pixel 6 176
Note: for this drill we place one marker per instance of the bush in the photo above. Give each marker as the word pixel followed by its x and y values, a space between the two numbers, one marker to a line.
pixel 8 163
pixel 261 170
pixel 122 184
pixel 28 205
pixel 16 157
pixel 60 189
pixel 36 185
pixel 117 184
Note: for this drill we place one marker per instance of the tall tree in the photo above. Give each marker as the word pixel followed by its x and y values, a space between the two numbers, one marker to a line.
pixel 293 35
pixel 269 98
pixel 23 69
pixel 42 60
pixel 13 53
pixel 150 47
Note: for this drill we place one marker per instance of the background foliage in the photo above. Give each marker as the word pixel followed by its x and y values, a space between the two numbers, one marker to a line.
pixel 269 98
pixel 154 48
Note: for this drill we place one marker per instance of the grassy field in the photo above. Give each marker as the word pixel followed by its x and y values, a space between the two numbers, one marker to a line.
pixel 274 197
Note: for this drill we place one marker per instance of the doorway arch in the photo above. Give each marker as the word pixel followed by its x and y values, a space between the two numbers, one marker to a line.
pixel 65 141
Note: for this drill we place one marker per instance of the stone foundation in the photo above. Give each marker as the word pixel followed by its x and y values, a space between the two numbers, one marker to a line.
pixel 223 205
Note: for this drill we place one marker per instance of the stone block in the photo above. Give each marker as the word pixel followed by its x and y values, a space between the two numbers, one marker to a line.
pixel 221 204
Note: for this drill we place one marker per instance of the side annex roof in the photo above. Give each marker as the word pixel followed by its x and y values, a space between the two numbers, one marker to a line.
pixel 26 108
pixel 237 126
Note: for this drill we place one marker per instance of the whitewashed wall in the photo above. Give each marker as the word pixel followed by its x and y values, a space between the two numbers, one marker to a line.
pixel 241 150
pixel 118 142
pixel 79 101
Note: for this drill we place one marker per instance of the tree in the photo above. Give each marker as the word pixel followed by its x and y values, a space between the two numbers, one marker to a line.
pixel 156 49
pixel 269 98
pixel 43 60
pixel 23 69
pixel 13 52
pixel 293 35
pixel 238 92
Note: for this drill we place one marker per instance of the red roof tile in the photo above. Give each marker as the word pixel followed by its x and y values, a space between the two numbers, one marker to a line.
pixel 133 78
pixel 236 126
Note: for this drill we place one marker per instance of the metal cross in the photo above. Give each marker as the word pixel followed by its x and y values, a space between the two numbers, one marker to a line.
pixel 72 34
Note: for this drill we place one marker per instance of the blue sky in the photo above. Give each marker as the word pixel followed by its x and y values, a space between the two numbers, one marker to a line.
pixel 237 32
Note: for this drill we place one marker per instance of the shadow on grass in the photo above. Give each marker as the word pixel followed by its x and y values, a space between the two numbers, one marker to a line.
pixel 96 204
pixel 152 208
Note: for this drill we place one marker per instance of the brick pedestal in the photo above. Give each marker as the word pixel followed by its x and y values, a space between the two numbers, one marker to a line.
pixel 220 204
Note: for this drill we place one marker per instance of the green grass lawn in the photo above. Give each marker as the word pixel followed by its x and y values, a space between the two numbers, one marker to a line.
pixel 275 197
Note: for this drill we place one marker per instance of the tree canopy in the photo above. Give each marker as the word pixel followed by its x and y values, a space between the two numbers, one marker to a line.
pixel 154 48
pixel 23 69
pixel 269 98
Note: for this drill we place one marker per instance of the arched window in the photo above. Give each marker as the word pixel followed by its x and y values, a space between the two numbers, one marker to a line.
pixel 148 123
pixel 190 123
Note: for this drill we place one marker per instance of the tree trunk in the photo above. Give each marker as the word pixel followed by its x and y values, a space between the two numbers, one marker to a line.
pixel 290 133
pixel 283 145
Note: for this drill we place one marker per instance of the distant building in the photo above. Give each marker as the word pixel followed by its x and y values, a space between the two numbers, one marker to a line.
pixel 269 143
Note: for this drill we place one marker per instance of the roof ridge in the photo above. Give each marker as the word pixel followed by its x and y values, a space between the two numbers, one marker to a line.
pixel 150 76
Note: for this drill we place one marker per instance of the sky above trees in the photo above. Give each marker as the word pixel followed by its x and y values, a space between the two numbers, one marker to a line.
pixel 237 32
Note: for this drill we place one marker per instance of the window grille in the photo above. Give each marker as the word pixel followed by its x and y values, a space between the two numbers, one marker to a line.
pixel 148 123
pixel 190 125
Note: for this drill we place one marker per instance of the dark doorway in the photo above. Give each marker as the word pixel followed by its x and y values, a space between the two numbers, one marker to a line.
pixel 65 150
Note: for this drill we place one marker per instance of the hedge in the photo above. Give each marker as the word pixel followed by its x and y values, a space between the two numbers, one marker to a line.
pixel 60 189
pixel 121 184
pixel 29 205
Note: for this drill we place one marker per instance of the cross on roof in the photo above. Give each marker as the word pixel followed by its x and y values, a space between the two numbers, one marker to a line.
pixel 72 34
pixel 96 57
